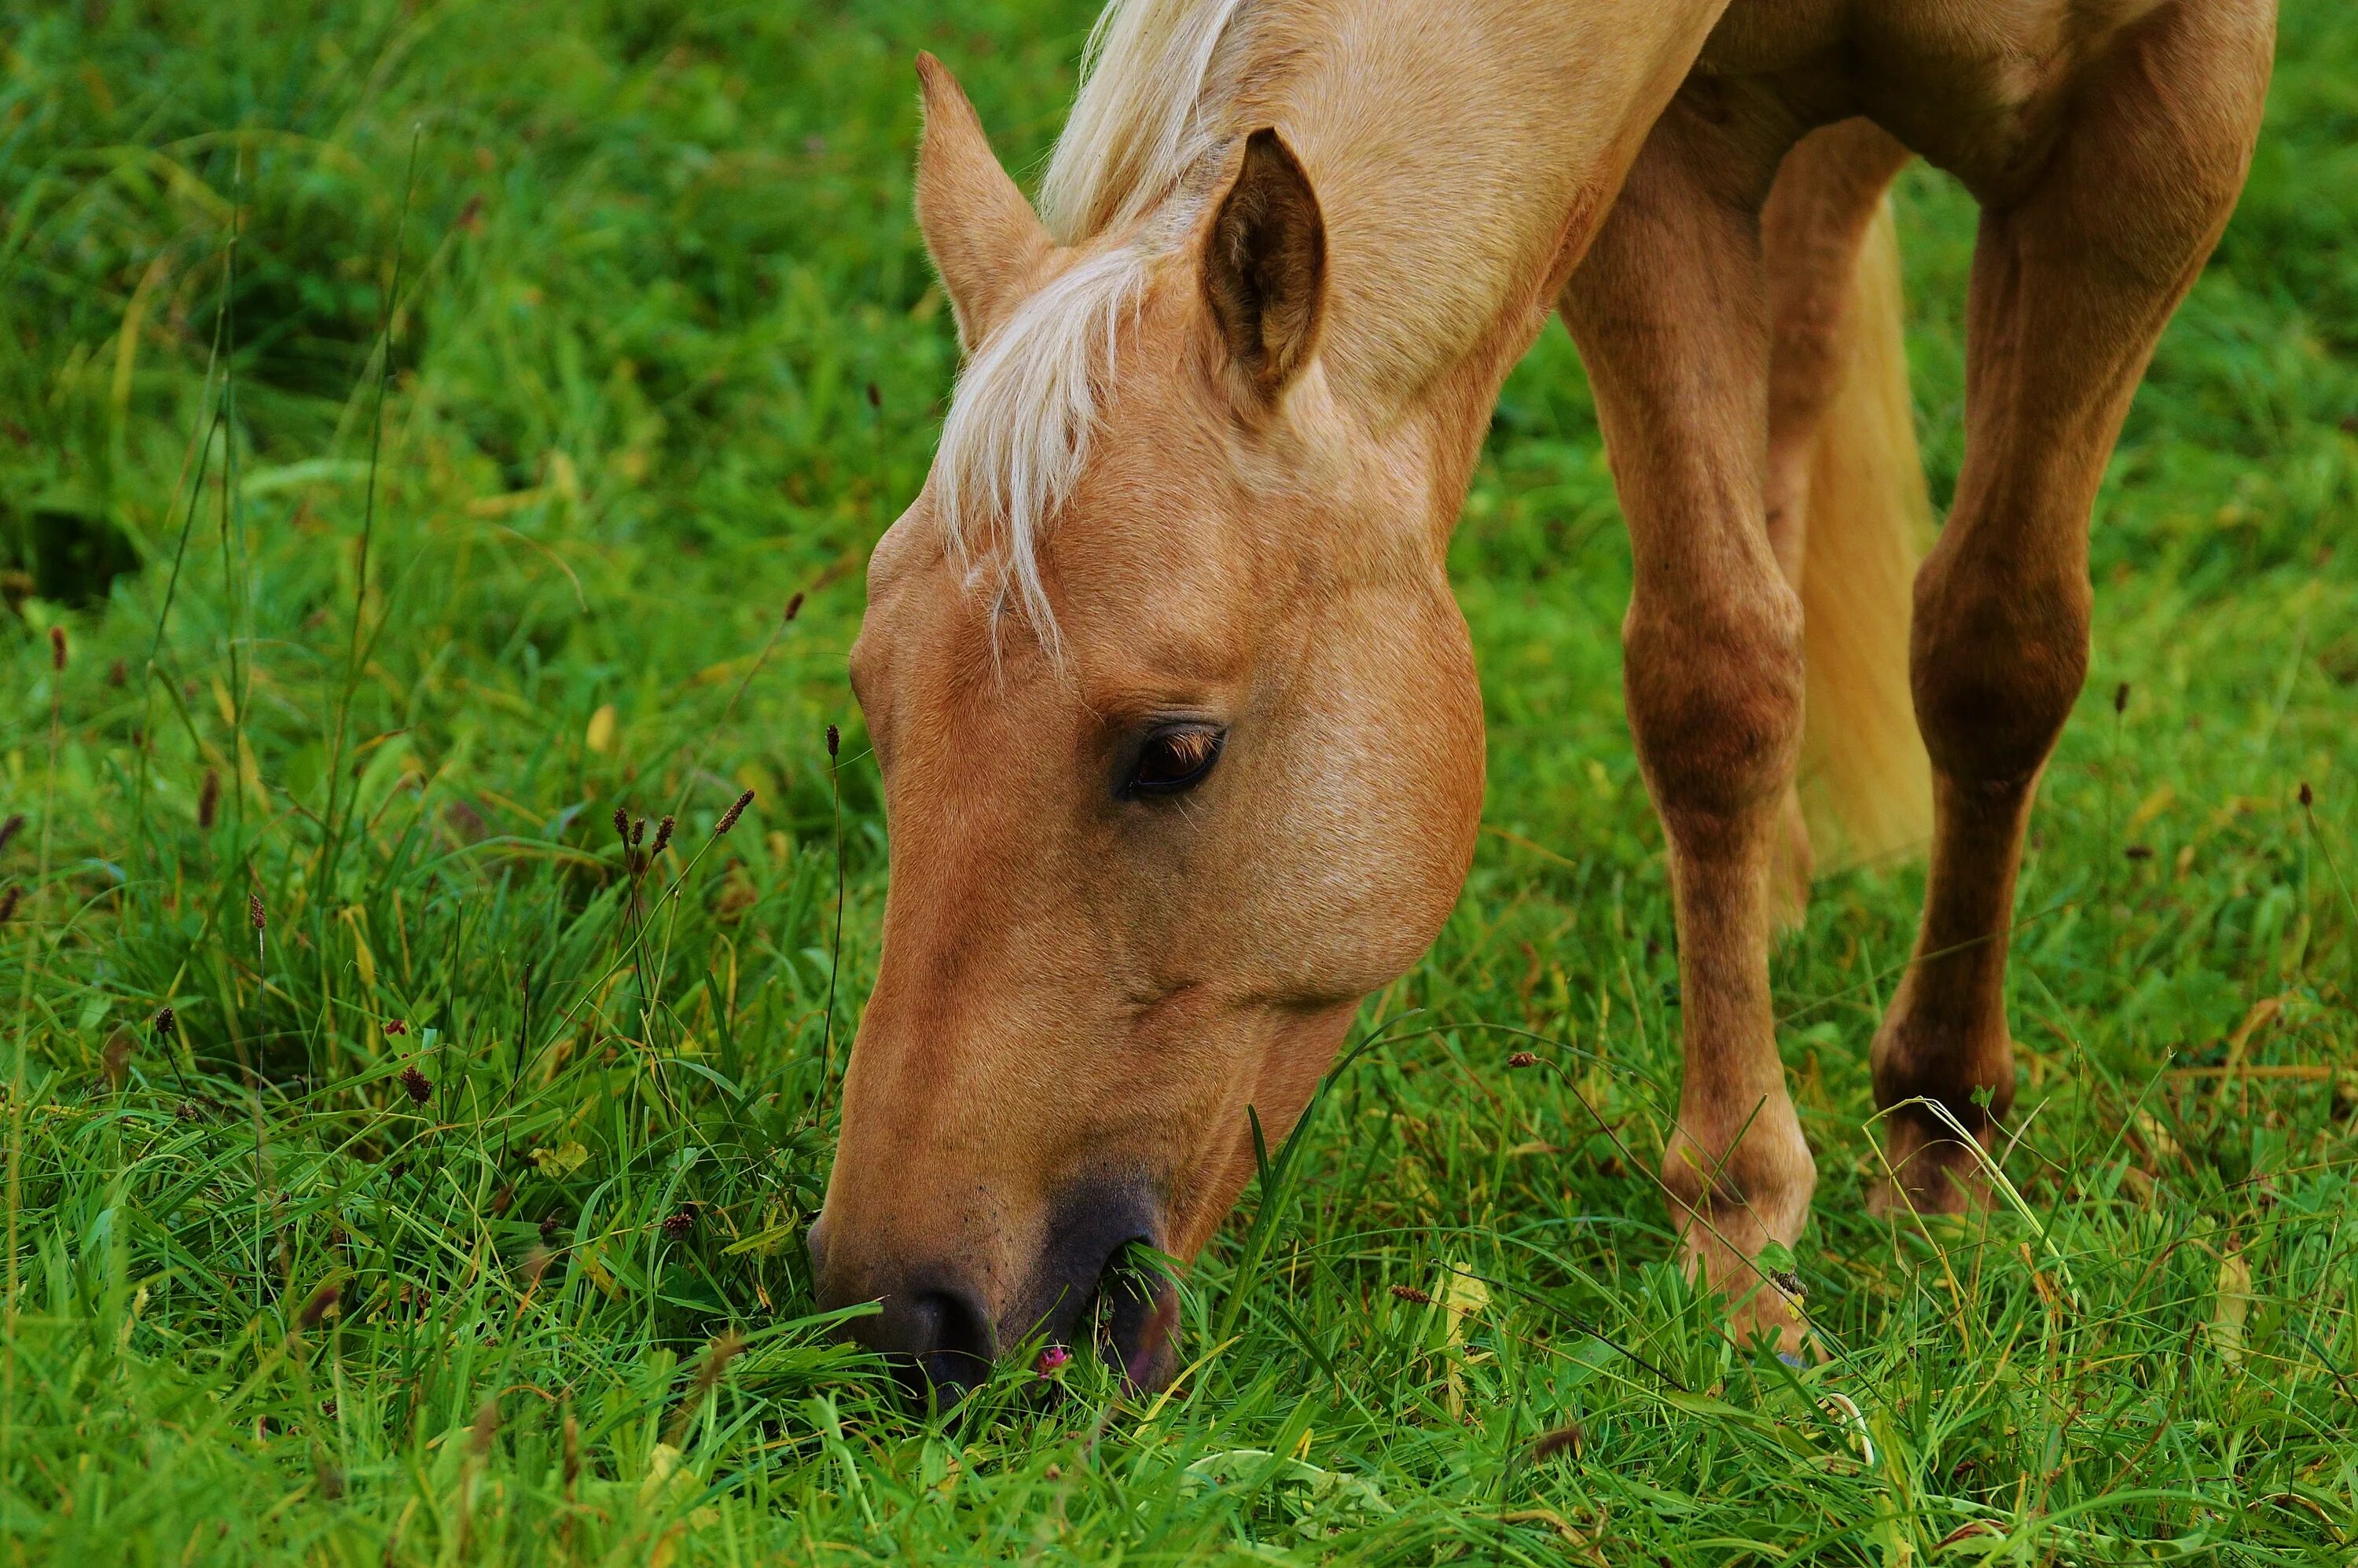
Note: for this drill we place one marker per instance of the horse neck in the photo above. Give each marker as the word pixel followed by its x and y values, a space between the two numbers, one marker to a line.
pixel 1462 151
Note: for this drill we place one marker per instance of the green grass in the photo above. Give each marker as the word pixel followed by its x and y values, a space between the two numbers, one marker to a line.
pixel 665 355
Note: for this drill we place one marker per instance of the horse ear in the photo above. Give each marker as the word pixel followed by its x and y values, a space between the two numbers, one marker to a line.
pixel 984 237
pixel 1265 265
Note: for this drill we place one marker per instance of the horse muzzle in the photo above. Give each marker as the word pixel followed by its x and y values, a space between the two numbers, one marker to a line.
pixel 1092 1281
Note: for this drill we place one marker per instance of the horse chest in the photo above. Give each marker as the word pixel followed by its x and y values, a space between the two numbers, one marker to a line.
pixel 1975 86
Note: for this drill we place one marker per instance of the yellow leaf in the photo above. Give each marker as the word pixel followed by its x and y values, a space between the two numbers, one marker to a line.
pixel 357 918
pixel 1898 1550
pixel 763 1243
pixel 2234 1304
pixel 598 1274
pixel 1464 1295
pixel 669 1482
pixel 727 669
pixel 562 1161
pixel 2155 1136
pixel 2261 1012
pixel 249 772
pixel 512 501
pixel 2153 805
pixel 600 738
pixel 662 1464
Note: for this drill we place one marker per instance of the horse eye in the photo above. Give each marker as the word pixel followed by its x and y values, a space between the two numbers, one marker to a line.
pixel 1176 759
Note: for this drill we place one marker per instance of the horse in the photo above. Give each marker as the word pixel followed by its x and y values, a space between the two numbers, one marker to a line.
pixel 1176 717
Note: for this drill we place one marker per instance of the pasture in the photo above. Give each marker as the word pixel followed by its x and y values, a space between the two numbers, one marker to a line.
pixel 428 431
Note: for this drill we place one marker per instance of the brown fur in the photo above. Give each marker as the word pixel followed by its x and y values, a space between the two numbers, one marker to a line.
pixel 1254 448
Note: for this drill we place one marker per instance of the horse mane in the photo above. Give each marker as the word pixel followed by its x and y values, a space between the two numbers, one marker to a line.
pixel 1134 130
pixel 1020 417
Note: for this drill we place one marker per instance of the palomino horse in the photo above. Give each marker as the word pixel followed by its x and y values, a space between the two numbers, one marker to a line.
pixel 1181 743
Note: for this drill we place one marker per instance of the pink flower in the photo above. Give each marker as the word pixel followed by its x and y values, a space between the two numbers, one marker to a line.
pixel 1050 1358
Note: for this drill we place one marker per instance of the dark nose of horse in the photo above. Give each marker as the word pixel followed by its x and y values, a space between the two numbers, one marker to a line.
pixel 940 1338
pixel 933 1328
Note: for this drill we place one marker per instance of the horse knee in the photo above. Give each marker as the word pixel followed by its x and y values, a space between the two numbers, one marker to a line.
pixel 1996 658
pixel 1714 684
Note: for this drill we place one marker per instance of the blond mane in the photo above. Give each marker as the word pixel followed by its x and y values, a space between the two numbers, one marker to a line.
pixel 1136 127
pixel 1018 433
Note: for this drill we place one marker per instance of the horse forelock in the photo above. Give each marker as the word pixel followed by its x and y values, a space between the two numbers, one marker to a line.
pixel 1018 433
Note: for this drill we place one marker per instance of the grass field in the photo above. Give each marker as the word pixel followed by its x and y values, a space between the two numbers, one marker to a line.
pixel 457 1215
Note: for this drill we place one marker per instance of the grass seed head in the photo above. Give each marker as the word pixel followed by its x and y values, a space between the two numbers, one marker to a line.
pixel 9 898
pixel 548 1227
pixel 419 1086
pixel 2121 698
pixel 622 826
pixel 1523 1059
pixel 834 740
pixel 1411 1294
pixel 679 1227
pixel 794 605
pixel 209 800
pixel 323 1301
pixel 2307 796
pixel 57 647
pixel 1567 1439
pixel 638 832
pixel 166 1021
pixel 253 910
pixel 729 818
pixel 10 829
pixel 717 1356
pixel 662 836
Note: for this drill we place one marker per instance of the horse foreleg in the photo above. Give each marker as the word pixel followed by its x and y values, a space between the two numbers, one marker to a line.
pixel 1670 310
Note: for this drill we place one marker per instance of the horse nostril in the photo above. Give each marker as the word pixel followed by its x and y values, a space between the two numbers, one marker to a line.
pixel 1142 1318
pixel 940 1340
pixel 960 1352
